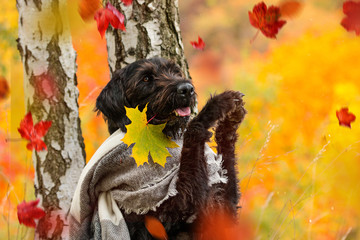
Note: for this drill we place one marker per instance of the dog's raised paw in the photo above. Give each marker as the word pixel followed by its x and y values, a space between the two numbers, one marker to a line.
pixel 238 113
pixel 219 107
pixel 229 102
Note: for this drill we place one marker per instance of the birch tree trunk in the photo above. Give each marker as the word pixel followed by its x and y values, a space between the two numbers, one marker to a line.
pixel 51 94
pixel 152 29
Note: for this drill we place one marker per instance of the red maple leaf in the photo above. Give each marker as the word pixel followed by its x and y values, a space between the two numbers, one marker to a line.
pixel 33 133
pixel 107 15
pixel 200 44
pixel 345 117
pixel 266 19
pixel 127 2
pixel 28 211
pixel 352 20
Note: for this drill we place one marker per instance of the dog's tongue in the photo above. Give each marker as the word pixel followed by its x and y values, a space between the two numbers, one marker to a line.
pixel 183 112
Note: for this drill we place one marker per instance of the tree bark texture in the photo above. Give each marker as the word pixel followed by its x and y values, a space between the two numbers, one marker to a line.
pixel 152 29
pixel 51 94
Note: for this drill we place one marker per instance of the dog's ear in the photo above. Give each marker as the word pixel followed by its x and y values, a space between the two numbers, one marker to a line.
pixel 111 102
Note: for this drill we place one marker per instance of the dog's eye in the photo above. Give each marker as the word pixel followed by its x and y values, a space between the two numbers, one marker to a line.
pixel 146 79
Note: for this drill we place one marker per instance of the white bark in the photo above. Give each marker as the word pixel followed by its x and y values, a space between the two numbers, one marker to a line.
pixel 47 53
pixel 152 29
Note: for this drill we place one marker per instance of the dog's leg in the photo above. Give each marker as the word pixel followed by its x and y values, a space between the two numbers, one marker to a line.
pixel 192 184
pixel 193 178
pixel 225 137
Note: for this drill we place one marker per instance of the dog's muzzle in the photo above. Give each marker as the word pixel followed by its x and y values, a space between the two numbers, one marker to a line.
pixel 185 92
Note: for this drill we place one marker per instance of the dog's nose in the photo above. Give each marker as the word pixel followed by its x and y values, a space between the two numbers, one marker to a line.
pixel 185 89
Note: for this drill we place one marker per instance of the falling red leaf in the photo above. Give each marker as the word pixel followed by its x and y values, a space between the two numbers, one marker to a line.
pixel 155 227
pixel 290 8
pixel 4 88
pixel 87 8
pixel 107 15
pixel 266 19
pixel 345 117
pixel 352 20
pixel 49 87
pixel 28 211
pixel 127 2
pixel 200 44
pixel 46 87
pixel 33 133
pixel 55 223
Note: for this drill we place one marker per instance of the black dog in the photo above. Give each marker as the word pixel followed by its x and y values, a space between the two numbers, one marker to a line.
pixel 171 99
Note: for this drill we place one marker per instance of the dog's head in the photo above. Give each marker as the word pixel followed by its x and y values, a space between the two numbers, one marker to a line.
pixel 158 82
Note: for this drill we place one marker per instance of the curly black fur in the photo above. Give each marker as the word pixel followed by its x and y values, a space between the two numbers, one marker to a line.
pixel 161 84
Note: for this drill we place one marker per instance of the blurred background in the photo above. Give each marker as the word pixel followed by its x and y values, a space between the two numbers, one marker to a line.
pixel 299 169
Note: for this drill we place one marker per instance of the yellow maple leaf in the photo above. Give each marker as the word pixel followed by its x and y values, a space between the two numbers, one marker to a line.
pixel 148 138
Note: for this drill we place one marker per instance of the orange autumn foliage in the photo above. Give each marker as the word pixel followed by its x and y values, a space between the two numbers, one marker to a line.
pixel 219 225
pixel 87 9
pixel 290 8
pixel 4 88
pixel 298 168
pixel 92 77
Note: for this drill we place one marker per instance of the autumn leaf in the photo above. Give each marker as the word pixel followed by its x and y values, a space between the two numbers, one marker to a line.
pixel 200 44
pixel 155 228
pixel 33 133
pixel 127 2
pixel 87 8
pixel 352 20
pixel 148 138
pixel 220 225
pixel 109 15
pixel 266 19
pixel 28 211
pixel 345 117
pixel 4 88
pixel 46 87
pixel 290 8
